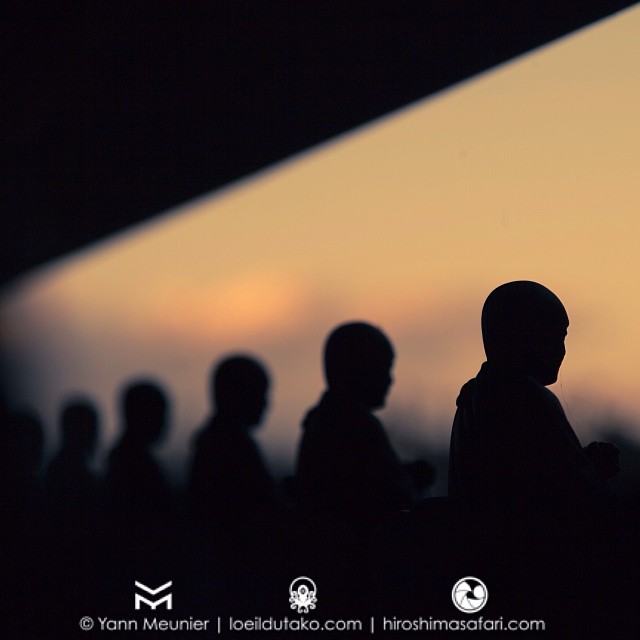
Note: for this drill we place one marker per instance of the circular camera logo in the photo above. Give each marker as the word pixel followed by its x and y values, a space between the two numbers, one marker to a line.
pixel 469 594
pixel 302 594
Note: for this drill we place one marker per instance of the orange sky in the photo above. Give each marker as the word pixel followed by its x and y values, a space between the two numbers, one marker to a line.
pixel 527 172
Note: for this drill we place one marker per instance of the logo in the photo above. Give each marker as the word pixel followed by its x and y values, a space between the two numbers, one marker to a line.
pixel 167 598
pixel 469 594
pixel 302 592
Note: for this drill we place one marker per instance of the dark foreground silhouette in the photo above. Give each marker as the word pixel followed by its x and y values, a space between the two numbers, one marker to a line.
pixel 529 510
pixel 512 447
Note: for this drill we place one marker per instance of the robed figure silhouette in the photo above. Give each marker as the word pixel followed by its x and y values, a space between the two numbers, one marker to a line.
pixel 230 487
pixel 349 478
pixel 544 512
pixel 141 531
pixel 231 494
pixel 71 484
pixel 512 446
pixel 347 469
pixel 23 527
pixel 136 484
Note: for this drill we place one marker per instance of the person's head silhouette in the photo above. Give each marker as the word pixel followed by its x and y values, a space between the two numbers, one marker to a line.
pixel 524 326
pixel 357 363
pixel 144 409
pixel 239 389
pixel 79 427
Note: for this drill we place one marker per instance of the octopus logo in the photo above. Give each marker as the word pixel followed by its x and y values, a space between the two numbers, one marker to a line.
pixel 469 594
pixel 302 594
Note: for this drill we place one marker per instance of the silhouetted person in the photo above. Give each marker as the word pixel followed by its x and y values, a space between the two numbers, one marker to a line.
pixel 512 446
pixel 141 530
pixel 546 520
pixel 349 478
pixel 347 469
pixel 229 482
pixel 71 483
pixel 74 526
pixel 231 493
pixel 135 482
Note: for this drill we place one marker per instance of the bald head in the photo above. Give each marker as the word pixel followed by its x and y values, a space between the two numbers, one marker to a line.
pixel 357 360
pixel 144 407
pixel 524 326
pixel 79 426
pixel 239 387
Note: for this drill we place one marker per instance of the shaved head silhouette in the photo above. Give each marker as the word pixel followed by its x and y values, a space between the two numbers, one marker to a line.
pixel 524 325
pixel 144 408
pixel 79 425
pixel 357 362
pixel 239 389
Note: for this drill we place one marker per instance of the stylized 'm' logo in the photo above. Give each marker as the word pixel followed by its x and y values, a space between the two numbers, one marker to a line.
pixel 154 603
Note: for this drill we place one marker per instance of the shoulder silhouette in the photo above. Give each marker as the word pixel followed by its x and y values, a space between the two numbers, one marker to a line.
pixel 516 462
pixel 511 443
pixel 135 481
pixel 228 477
pixel 70 481
pixel 347 468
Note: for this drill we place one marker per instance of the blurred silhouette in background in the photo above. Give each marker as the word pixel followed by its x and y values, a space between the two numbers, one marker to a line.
pixel 232 498
pixel 141 526
pixel 74 509
pixel 229 483
pixel 349 478
pixel 22 520
pixel 347 470
pixel 71 484
pixel 135 482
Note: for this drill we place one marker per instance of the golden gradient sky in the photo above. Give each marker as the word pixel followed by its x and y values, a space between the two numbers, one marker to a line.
pixel 530 171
